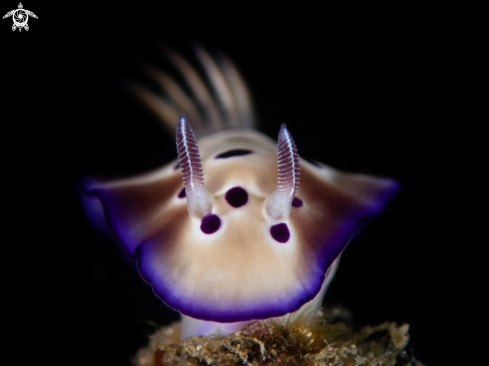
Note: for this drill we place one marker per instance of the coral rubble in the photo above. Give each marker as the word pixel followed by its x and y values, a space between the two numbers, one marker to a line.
pixel 313 339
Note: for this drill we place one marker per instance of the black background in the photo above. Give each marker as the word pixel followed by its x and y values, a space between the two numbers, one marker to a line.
pixel 365 90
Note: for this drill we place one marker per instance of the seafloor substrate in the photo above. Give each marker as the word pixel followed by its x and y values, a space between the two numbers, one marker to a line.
pixel 314 339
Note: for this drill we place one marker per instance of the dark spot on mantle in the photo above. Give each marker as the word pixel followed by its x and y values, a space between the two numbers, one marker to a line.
pixel 280 232
pixel 297 202
pixel 210 224
pixel 237 197
pixel 231 153
pixel 182 193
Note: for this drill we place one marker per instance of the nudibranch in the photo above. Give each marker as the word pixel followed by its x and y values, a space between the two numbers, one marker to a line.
pixel 239 227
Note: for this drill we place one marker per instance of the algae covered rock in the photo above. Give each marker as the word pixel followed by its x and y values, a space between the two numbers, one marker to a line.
pixel 307 339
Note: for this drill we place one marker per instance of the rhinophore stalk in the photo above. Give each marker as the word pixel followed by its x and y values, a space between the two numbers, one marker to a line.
pixel 278 204
pixel 199 200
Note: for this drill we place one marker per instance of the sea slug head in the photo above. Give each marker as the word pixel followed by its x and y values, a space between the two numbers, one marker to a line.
pixel 240 227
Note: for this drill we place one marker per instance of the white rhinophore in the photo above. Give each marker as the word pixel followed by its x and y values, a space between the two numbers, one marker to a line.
pixel 199 200
pixel 278 204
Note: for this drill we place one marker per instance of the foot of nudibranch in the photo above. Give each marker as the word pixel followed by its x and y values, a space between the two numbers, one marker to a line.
pixel 317 302
pixel 192 327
